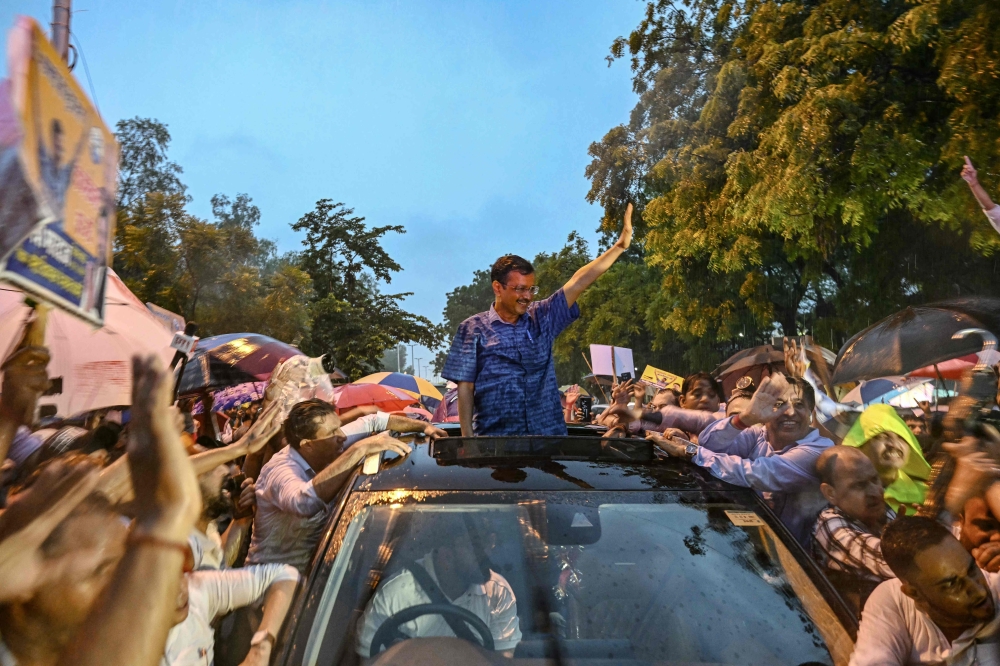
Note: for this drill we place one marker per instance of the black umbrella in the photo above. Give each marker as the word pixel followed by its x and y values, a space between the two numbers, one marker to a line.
pixel 228 360
pixel 916 337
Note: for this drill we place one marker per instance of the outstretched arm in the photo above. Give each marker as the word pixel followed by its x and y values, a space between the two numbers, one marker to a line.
pixel 586 276
pixel 970 176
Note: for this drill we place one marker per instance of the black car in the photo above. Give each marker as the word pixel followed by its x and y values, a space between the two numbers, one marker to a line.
pixel 595 551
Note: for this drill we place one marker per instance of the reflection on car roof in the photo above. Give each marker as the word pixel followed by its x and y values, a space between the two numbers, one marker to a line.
pixel 537 464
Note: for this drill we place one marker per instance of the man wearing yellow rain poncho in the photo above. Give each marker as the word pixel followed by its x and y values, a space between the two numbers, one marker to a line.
pixel 884 437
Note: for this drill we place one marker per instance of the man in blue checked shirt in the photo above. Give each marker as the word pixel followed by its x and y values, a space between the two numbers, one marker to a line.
pixel 502 359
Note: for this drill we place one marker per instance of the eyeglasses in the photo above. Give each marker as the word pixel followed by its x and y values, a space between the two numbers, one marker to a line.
pixel 524 291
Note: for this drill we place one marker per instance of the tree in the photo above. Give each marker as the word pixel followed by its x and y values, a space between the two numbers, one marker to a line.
pixel 460 304
pixel 353 322
pixel 796 163
pixel 143 166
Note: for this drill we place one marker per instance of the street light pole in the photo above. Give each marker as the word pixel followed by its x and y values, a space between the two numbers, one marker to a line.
pixel 398 369
pixel 418 366
pixel 412 355
pixel 61 13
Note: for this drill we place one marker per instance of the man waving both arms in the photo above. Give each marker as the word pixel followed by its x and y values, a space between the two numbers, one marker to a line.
pixel 502 359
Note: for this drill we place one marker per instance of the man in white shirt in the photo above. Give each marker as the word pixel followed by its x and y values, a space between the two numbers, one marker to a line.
pixel 942 608
pixel 206 595
pixel 458 570
pixel 992 211
pixel 297 484
pixel 769 446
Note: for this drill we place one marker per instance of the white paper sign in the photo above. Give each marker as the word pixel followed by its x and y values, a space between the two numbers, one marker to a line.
pixel 601 356
pixel 745 519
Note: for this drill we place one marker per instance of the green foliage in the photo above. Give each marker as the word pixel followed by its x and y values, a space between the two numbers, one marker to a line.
pixel 461 304
pixel 143 165
pixel 796 163
pixel 353 322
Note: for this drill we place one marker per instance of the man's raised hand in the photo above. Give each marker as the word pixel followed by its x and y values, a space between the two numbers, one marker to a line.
pixel 268 425
pixel 626 238
pixel 766 404
pixel 969 173
pixel 167 498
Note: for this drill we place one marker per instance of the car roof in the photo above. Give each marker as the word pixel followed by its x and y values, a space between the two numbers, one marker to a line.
pixel 537 464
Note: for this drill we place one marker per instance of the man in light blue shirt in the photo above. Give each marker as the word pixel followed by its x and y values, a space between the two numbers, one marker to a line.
pixel 769 446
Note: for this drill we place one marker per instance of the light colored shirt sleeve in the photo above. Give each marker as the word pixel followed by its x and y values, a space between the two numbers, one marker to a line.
pixel 993 215
pixel 789 471
pixel 398 593
pixel 289 493
pixel 883 638
pixel 859 547
pixel 688 420
pixel 722 437
pixel 235 588
pixel 366 426
pixel 504 624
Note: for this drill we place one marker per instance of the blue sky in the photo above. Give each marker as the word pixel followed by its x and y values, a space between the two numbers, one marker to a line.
pixel 466 122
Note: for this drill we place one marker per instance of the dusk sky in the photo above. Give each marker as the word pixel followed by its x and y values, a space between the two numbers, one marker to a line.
pixel 466 122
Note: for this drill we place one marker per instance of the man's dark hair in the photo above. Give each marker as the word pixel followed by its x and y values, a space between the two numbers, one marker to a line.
pixel 692 380
pixel 805 390
pixel 303 420
pixel 907 537
pixel 503 267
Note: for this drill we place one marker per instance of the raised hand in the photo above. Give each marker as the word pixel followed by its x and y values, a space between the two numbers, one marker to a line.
pixel 767 402
pixel 167 498
pixel 626 238
pixel 621 393
pixel 969 173
pixel 795 358
pixel 25 378
pixel 572 395
pixel 31 517
pixel 267 426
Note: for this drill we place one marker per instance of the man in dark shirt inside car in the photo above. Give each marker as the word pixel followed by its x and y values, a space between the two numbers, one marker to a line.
pixel 456 572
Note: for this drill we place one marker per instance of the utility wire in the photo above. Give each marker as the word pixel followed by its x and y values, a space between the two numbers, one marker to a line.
pixel 86 69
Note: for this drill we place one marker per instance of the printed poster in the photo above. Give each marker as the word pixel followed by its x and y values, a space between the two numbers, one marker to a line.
pixel 661 378
pixel 58 174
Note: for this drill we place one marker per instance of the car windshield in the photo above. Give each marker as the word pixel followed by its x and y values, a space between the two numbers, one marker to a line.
pixel 633 577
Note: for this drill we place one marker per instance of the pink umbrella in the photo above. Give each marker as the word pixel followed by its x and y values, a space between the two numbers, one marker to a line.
pixel 386 398
pixel 93 365
pixel 951 369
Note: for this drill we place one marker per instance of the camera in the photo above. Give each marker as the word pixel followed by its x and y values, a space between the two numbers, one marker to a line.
pixel 586 405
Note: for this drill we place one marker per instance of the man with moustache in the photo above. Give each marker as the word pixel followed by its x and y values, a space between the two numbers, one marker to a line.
pixel 502 359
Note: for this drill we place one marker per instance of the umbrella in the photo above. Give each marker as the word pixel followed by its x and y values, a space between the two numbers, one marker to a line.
pixel 234 396
pixel 418 387
pixel 950 369
pixel 93 365
pixel 418 413
pixel 883 390
pixel 756 363
pixel 447 411
pixel 386 398
pixel 916 337
pixel 583 391
pixel 235 358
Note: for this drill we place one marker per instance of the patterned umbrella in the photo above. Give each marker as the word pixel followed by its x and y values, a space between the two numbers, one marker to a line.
pixel 418 387
pixel 447 410
pixel 386 398
pixel 883 390
pixel 236 358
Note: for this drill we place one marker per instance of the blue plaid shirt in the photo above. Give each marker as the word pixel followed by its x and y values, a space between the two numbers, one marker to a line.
pixel 512 368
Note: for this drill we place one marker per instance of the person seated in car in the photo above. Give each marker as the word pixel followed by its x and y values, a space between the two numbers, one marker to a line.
pixel 941 609
pixel 458 572
pixel 847 536
pixel 894 450
pixel 698 408
pixel 769 446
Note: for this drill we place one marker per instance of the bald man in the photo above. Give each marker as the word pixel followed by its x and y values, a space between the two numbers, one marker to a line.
pixel 847 536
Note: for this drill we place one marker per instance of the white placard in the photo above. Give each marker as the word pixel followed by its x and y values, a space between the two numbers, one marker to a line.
pixel 745 518
pixel 601 355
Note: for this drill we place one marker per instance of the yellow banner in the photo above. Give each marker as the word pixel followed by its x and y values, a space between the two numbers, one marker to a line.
pixel 661 378
pixel 56 242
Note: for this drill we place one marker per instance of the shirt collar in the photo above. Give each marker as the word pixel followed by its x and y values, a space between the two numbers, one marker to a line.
pixel 493 318
pixel 297 458
pixel 473 590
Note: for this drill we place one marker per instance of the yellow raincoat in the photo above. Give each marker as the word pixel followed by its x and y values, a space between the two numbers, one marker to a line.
pixel 909 487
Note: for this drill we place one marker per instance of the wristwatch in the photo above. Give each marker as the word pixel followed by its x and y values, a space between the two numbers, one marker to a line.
pixel 262 637
pixel 690 451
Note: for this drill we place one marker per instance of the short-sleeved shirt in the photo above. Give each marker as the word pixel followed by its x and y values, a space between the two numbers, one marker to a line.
pixel 493 603
pixel 511 365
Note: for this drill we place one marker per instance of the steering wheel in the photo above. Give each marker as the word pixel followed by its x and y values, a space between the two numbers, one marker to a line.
pixel 389 631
